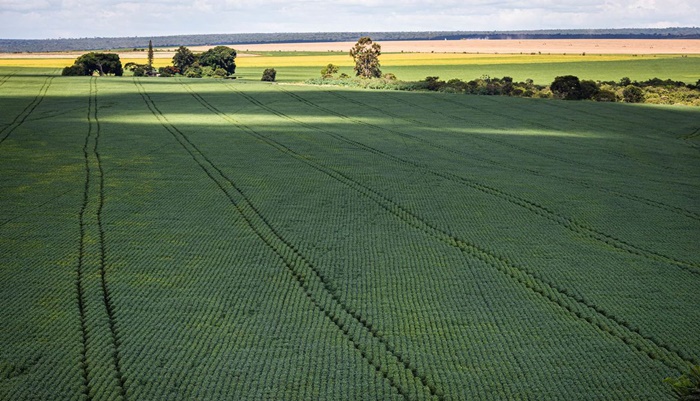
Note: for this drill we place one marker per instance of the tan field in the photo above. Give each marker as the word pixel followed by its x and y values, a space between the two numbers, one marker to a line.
pixel 558 46
pixel 555 46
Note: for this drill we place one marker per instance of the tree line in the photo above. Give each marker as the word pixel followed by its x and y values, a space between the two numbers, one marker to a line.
pixel 219 61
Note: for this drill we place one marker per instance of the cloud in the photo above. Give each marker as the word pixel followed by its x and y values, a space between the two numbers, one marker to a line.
pixel 88 18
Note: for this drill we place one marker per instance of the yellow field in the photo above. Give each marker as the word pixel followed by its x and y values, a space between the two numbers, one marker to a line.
pixel 38 62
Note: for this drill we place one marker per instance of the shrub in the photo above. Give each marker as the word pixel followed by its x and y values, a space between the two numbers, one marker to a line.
pixel 329 70
pixel 194 71
pixel 73 70
pixel 633 94
pixel 168 71
pixel 605 95
pixel 589 89
pixel 269 75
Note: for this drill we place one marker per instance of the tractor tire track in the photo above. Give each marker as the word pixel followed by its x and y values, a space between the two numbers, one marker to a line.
pixel 107 299
pixel 316 287
pixel 6 78
pixel 531 151
pixel 541 210
pixel 575 304
pixel 24 114
pixel 589 185
pixel 91 262
pixel 86 386
pixel 589 123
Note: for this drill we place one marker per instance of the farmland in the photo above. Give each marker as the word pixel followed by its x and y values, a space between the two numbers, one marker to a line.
pixel 172 239
pixel 604 60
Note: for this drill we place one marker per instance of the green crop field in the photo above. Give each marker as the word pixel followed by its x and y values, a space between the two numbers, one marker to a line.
pixel 175 239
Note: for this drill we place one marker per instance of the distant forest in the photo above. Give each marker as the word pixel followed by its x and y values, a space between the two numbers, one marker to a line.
pixel 53 45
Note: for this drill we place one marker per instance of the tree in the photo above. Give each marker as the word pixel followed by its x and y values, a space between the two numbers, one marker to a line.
pixel 366 55
pixel 219 57
pixel 150 55
pixel 269 75
pixel 633 94
pixel 589 89
pixel 329 70
pixel 183 58
pixel 567 87
pixel 103 63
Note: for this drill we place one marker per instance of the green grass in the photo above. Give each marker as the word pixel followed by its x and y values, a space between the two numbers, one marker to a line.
pixel 209 239
pixel 543 72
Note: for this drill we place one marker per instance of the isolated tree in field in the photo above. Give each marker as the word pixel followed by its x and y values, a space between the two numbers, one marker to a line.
pixel 183 59
pixel 219 57
pixel 150 55
pixel 329 70
pixel 366 55
pixel 269 75
pixel 103 63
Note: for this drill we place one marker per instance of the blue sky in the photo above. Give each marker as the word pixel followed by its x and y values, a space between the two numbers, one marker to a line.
pixel 39 19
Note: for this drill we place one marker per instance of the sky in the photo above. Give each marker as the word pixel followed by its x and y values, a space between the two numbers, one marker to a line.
pixel 42 19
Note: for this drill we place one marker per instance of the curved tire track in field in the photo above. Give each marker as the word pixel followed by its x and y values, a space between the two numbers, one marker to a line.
pixel 24 114
pixel 589 123
pixel 86 388
pixel 360 333
pixel 573 303
pixel 90 220
pixel 541 210
pixel 527 150
pixel 632 197
pixel 6 78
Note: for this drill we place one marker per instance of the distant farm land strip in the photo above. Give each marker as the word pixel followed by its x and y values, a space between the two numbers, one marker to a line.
pixel 554 46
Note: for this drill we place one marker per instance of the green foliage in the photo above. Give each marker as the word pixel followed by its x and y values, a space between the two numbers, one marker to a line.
pixel 567 87
pixel 219 57
pixel 194 239
pixel 329 70
pixel 269 75
pixel 687 386
pixel 103 63
pixel 589 89
pixel 632 94
pixel 183 58
pixel 168 71
pixel 366 55
pixel 150 55
pixel 73 70
pixel 194 71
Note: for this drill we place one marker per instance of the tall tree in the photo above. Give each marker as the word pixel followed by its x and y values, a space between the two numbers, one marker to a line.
pixel 150 55
pixel 183 59
pixel 366 55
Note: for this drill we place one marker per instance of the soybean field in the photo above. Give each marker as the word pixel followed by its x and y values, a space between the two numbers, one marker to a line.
pixel 178 239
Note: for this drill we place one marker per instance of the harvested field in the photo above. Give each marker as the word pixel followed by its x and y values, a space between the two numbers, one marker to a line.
pixel 592 46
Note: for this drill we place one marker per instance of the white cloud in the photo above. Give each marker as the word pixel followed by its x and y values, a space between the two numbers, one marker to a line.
pixel 81 18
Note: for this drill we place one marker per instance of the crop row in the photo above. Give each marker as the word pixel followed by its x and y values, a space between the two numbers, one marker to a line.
pixel 27 111
pixel 405 379
pixel 399 212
